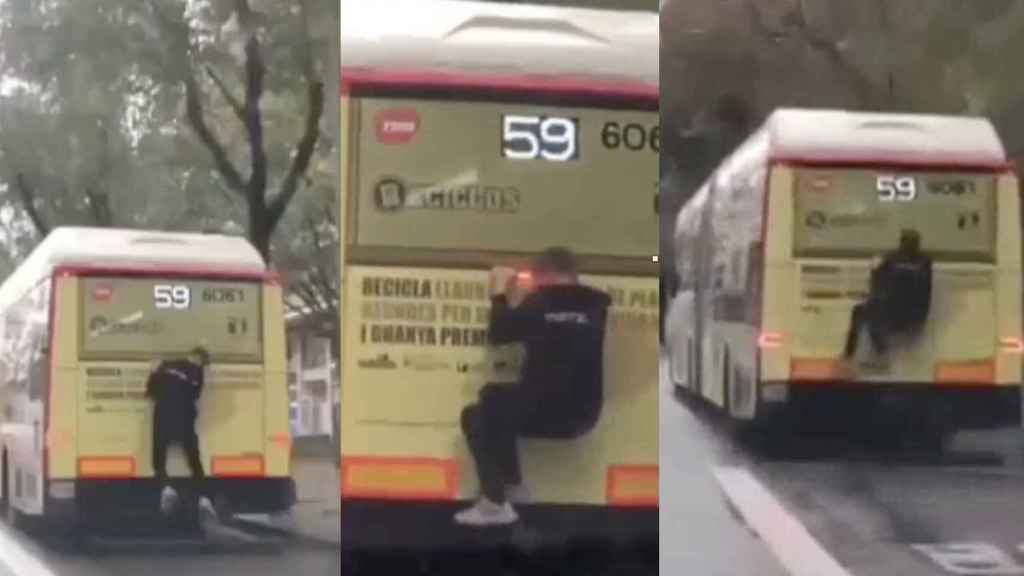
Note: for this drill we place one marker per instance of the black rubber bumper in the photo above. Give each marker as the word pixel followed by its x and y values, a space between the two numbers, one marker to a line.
pixel 402 527
pixel 96 498
pixel 960 407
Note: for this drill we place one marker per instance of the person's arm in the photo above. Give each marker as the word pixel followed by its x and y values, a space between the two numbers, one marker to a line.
pixel 151 381
pixel 508 324
pixel 197 389
pixel 926 282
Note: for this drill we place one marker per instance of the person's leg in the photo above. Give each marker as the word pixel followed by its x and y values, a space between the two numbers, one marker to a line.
pixel 481 447
pixel 501 408
pixel 875 315
pixel 190 444
pixel 195 463
pixel 160 455
pixel 857 318
pixel 491 509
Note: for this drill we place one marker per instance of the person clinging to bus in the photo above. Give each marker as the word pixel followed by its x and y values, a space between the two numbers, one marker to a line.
pixel 899 297
pixel 560 392
pixel 175 387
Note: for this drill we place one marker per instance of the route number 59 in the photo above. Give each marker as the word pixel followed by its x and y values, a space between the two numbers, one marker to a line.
pixel 173 297
pixel 896 188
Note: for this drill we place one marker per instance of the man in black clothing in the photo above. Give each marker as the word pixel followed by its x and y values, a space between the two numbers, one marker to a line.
pixel 560 393
pixel 899 298
pixel 175 387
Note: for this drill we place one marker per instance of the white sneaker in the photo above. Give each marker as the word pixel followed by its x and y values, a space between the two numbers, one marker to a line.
pixel 517 493
pixel 207 512
pixel 168 500
pixel 487 513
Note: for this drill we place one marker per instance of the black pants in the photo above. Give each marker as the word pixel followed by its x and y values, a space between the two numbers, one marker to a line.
pixel 493 427
pixel 872 314
pixel 185 436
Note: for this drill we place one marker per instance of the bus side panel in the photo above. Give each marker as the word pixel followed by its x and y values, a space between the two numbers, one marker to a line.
pixel 416 355
pixel 1009 314
pixel 63 405
pixel 779 304
pixel 276 417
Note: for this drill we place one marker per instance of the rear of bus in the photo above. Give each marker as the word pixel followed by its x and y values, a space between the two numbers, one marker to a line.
pixel 109 323
pixel 834 209
pixel 444 176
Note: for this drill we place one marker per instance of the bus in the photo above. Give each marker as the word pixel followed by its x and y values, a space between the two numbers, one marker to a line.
pixel 477 134
pixel 776 248
pixel 81 321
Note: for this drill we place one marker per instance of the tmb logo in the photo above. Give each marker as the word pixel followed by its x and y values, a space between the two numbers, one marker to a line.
pixel 397 125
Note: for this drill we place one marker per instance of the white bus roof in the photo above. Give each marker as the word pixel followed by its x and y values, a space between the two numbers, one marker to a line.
pixel 137 249
pixel 860 137
pixel 486 38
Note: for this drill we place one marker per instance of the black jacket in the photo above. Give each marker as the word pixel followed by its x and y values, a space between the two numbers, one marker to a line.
pixel 563 329
pixel 903 283
pixel 175 386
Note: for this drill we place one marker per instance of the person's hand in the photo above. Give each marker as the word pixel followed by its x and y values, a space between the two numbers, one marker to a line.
pixel 502 280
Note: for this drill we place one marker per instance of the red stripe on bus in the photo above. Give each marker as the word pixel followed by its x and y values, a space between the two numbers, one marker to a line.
pixel 532 83
pixel 165 271
pixel 946 163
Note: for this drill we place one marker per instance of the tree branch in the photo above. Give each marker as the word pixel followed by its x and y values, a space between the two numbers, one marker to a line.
pixel 99 207
pixel 197 119
pixel 255 74
pixel 178 37
pixel 99 202
pixel 232 101
pixel 864 89
pixel 303 153
pixel 28 201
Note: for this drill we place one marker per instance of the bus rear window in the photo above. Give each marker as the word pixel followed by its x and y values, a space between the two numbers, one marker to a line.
pixel 859 213
pixel 128 318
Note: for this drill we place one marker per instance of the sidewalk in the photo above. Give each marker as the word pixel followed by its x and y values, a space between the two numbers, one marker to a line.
pixel 317 511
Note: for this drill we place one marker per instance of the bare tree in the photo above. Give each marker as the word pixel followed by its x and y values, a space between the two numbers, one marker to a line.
pixel 264 211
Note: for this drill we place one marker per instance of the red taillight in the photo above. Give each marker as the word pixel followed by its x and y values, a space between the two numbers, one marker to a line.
pixel 769 340
pixel 1012 345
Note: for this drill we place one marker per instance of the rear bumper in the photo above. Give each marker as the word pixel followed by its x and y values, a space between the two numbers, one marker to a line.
pixel 100 498
pixel 961 407
pixel 428 527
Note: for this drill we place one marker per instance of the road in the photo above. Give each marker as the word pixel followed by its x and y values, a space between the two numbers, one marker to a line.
pixel 833 507
pixel 230 551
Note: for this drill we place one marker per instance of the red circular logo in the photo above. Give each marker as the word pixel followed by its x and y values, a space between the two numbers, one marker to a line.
pixel 397 125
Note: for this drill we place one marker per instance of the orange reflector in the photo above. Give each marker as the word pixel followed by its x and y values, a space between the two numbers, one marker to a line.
pixel 816 369
pixel 282 440
pixel 976 372
pixel 1012 345
pixel 106 467
pixel 769 340
pixel 237 466
pixel 399 478
pixel 633 486
pixel 57 439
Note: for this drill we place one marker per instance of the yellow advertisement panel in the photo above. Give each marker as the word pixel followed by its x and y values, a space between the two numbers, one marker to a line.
pixel 502 177
pixel 140 317
pixel 859 213
pixel 416 354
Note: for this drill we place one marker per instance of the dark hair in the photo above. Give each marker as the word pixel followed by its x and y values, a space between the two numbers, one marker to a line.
pixel 556 260
pixel 204 355
pixel 910 239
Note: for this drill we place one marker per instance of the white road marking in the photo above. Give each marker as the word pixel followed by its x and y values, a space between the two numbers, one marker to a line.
pixel 20 561
pixel 971 558
pixel 798 552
